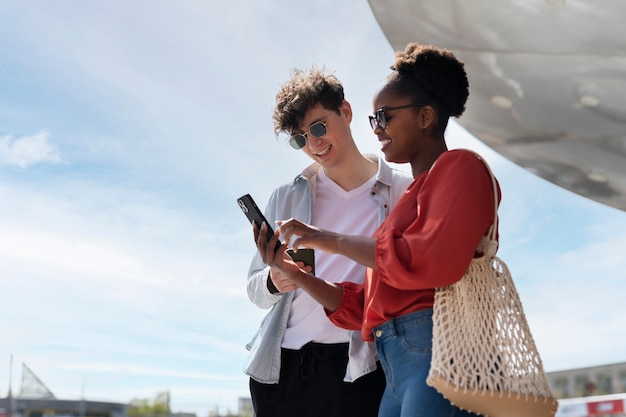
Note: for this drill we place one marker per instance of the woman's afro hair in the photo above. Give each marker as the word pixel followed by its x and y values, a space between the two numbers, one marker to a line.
pixel 438 71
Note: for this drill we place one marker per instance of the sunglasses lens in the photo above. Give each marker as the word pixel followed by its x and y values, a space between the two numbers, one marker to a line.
pixel 373 122
pixel 317 129
pixel 380 119
pixel 297 141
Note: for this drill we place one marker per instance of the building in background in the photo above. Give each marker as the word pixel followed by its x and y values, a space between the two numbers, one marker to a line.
pixel 35 399
pixel 585 382
pixel 52 407
pixel 592 391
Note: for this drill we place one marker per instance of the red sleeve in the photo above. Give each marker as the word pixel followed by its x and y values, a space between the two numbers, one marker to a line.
pixel 349 314
pixel 453 209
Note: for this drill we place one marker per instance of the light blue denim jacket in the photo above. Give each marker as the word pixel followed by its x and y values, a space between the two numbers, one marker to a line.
pixel 295 200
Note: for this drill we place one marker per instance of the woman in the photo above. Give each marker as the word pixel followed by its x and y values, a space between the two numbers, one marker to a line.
pixel 427 241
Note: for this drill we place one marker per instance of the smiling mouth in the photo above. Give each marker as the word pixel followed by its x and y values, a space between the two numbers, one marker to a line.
pixel 385 142
pixel 324 152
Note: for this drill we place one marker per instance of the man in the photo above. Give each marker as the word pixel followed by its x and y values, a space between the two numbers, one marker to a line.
pixel 300 363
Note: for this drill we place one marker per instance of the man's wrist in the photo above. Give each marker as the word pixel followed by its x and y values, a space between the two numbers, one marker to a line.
pixel 270 284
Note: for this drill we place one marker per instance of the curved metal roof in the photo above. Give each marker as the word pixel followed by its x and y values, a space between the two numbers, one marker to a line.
pixel 547 81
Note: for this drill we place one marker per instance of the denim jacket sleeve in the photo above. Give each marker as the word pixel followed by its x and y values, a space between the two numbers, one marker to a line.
pixel 263 363
pixel 290 200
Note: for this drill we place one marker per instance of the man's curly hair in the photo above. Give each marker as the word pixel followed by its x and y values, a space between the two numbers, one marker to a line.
pixel 433 76
pixel 302 92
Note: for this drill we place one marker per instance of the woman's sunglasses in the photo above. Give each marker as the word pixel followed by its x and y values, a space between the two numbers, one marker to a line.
pixel 317 129
pixel 378 119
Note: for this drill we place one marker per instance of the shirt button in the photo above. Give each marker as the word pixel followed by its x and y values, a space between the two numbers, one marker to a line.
pixel 378 333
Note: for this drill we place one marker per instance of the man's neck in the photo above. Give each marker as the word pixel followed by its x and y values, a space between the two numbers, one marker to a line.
pixel 352 173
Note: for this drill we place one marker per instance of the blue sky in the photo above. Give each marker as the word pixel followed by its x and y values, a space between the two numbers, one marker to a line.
pixel 127 131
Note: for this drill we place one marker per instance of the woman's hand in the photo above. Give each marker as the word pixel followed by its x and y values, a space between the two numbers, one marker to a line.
pixel 282 267
pixel 360 249
pixel 307 236
pixel 291 275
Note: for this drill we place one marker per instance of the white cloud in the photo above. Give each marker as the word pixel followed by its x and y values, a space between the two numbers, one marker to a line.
pixel 30 150
pixel 57 251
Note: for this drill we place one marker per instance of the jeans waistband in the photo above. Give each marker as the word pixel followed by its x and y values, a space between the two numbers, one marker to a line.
pixel 392 327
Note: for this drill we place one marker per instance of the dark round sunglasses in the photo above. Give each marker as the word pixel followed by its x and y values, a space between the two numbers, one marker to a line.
pixel 317 129
pixel 378 119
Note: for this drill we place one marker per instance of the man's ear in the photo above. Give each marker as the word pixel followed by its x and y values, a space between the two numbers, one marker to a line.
pixel 345 110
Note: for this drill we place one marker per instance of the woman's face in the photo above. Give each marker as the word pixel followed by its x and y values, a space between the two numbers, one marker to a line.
pixel 401 136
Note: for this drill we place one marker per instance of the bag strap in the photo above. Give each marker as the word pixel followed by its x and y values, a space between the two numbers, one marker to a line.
pixel 494 226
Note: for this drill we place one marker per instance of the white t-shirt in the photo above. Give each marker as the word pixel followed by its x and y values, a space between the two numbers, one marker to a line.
pixel 352 212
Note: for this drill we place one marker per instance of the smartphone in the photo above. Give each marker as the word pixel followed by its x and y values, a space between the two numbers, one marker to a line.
pixel 305 255
pixel 255 215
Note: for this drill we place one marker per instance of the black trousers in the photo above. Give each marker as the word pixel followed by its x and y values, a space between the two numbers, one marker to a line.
pixel 311 385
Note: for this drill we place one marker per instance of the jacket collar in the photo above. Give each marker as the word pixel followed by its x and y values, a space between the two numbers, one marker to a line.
pixel 383 175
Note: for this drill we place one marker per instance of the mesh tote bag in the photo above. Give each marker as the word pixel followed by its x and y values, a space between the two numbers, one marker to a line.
pixel 484 358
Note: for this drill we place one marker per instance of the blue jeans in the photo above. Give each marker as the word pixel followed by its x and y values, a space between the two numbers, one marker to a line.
pixel 404 346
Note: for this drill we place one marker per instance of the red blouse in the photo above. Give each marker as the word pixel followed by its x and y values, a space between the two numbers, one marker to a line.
pixel 427 241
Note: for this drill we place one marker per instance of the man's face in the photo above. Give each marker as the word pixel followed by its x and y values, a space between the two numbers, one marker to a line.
pixel 329 148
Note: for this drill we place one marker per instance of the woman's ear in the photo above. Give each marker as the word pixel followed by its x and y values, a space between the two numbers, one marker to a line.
pixel 427 117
